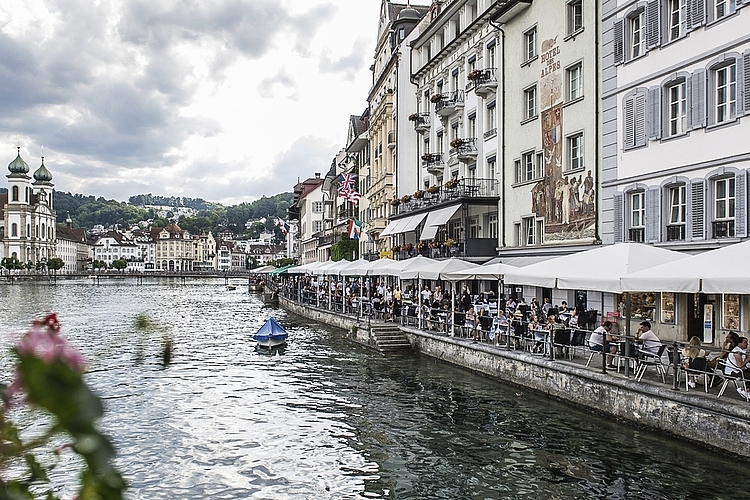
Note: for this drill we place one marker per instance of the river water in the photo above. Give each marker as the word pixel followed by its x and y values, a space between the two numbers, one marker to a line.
pixel 329 419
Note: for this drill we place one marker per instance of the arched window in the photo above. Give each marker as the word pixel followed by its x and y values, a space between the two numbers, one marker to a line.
pixel 14 229
pixel 28 230
pixel 14 193
pixel 27 192
pixel 44 230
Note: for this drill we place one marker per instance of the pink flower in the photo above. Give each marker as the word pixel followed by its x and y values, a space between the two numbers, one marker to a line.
pixel 44 342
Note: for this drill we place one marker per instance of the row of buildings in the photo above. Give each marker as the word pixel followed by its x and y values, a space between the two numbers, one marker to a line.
pixel 29 233
pixel 527 129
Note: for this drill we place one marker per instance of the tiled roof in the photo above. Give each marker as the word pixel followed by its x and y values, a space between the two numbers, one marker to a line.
pixel 70 234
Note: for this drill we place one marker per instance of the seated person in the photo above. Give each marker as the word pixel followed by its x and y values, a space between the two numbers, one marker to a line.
pixel 737 360
pixel 689 353
pixel 730 342
pixel 470 320
pixel 650 343
pixel 601 338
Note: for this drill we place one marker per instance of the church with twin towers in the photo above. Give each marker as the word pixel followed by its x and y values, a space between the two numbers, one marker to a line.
pixel 27 217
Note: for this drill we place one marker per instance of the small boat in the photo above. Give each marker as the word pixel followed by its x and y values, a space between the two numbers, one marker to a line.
pixel 271 334
pixel 231 287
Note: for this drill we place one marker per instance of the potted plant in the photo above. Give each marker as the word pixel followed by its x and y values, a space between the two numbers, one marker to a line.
pixel 421 245
pixel 395 249
pixel 450 242
pixel 433 189
pixel 457 143
pixel 427 157
pixel 395 203
pixel 406 198
pixel 451 184
pixel 406 247
pixel 434 244
pixel 474 74
pixel 413 117
pixel 436 98
pixel 418 194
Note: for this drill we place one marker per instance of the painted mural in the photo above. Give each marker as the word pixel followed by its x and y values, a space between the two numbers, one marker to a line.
pixel 564 201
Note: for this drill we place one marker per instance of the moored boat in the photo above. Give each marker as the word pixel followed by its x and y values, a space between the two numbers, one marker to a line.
pixel 271 334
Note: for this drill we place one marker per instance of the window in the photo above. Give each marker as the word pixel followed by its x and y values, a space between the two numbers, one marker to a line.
pixel 667 308
pixel 575 151
pixel 575 82
pixel 677 113
pixel 530 43
pixel 634 119
pixel 724 208
pixel 539 165
pixel 525 167
pixel 472 126
pixel 491 166
pixel 677 212
pixel 491 130
pixel 720 8
pixel 529 102
pixel 635 24
pixel 529 230
pixel 575 16
pixel 14 229
pixel 317 207
pixel 637 216
pixel 726 93
pixel 674 19
pixel 730 312
pixel 318 226
pixel 490 56
pixel 15 193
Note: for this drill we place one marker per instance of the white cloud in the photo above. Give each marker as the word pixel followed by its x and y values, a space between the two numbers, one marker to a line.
pixel 222 99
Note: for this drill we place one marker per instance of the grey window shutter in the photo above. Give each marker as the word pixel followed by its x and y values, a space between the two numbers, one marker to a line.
pixel 746 80
pixel 619 41
pixel 653 221
pixel 696 13
pixel 628 122
pixel 697 210
pixel 740 204
pixel 618 215
pixel 698 99
pixel 653 115
pixel 639 119
pixel 652 24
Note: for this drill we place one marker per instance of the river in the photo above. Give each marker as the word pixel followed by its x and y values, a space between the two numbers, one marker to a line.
pixel 329 419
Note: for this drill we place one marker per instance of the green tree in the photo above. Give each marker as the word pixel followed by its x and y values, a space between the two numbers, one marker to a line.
pixel 99 264
pixel 11 263
pixel 41 265
pixel 345 248
pixel 55 264
pixel 119 264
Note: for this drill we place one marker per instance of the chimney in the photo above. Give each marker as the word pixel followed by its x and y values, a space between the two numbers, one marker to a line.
pixel 317 175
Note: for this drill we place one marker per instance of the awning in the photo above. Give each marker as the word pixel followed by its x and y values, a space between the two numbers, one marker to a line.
pixel 393 226
pixel 435 219
pixel 412 222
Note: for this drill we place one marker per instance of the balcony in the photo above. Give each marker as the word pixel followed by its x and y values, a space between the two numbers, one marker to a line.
pixel 464 149
pixel 433 162
pixel 465 189
pixel 345 212
pixel 421 122
pixel 448 103
pixel 391 139
pixel 482 81
pixel 472 247
pixel 723 229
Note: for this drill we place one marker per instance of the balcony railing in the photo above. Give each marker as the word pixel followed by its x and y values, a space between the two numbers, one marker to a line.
pixel 482 82
pixel 723 229
pixel 636 235
pixel 421 122
pixel 466 188
pixel 676 232
pixel 449 103
pixel 472 247
pixel 464 149
pixel 433 162
pixel 490 133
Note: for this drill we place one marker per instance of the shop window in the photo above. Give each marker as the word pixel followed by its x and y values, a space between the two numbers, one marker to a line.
pixel 667 308
pixel 643 306
pixel 731 312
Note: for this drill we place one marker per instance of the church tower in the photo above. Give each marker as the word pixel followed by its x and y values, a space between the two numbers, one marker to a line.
pixel 43 216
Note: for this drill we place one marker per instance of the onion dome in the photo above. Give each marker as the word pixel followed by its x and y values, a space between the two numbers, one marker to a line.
pixel 42 174
pixel 18 166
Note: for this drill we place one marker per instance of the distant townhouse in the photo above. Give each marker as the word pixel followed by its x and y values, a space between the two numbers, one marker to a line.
pixel 73 248
pixel 116 246
pixel 307 210
pixel 223 255
pixel 174 248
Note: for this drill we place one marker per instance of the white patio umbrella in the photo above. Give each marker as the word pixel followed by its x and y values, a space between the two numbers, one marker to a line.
pixel 396 267
pixel 488 271
pixel 355 268
pixel 724 270
pixel 439 270
pixel 597 269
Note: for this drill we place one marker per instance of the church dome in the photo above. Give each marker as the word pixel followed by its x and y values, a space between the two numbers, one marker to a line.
pixel 18 166
pixel 42 174
pixel 409 13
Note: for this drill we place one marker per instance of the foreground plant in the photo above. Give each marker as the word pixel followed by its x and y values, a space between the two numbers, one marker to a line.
pixel 49 372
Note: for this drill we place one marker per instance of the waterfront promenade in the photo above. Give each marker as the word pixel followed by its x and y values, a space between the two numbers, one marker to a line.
pixel 562 372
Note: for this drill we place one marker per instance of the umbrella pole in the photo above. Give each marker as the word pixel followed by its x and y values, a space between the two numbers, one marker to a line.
pixel 419 313
pixel 627 334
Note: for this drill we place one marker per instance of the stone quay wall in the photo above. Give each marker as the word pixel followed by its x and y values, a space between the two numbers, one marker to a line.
pixel 717 423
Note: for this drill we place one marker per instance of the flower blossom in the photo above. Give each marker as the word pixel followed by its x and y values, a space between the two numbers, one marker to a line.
pixel 44 342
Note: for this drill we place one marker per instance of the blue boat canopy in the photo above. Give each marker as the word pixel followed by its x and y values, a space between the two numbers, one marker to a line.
pixel 271 329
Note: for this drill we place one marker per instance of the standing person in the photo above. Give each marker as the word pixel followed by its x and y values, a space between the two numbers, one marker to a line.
pixel 601 338
pixel 426 295
pixel 546 306
pixel 465 299
pixel 647 338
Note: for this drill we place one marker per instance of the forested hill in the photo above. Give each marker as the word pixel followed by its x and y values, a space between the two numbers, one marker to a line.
pixel 88 211
pixel 142 200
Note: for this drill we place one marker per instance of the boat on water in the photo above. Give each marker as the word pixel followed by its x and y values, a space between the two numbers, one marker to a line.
pixel 231 287
pixel 271 334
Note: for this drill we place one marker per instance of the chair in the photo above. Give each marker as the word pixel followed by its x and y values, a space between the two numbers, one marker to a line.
pixel 578 339
pixel 646 359
pixel 562 340
pixel 696 367
pixel 734 378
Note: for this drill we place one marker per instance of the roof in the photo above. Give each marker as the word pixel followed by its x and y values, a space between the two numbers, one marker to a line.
pixel 3 202
pixel 70 234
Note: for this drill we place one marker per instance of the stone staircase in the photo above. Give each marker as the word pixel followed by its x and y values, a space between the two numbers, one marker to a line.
pixel 389 339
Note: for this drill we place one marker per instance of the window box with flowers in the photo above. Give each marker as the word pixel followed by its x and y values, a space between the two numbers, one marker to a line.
pixel 406 198
pixel 433 189
pixel 418 195
pixel 421 245
pixel 434 244
pixel 457 143
pixel 407 247
pixel 413 117
pixel 396 248
pixel 436 98
pixel 475 75
pixel 395 203
pixel 450 243
pixel 451 184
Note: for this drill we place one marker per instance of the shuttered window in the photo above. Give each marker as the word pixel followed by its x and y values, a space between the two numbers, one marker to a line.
pixel 652 23
pixel 617 214
pixel 698 99
pixel 697 209
pixel 677 108
pixel 634 119
pixel 695 13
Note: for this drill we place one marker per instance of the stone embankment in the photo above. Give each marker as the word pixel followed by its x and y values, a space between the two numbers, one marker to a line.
pixel 702 418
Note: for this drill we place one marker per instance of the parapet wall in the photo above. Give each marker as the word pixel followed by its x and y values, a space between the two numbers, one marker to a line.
pixel 714 422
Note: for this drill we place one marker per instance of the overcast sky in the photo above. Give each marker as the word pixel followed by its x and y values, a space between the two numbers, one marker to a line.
pixel 225 100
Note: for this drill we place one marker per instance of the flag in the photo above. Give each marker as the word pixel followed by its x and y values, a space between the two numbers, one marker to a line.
pixel 351 195
pixel 347 182
pixel 284 226
pixel 355 229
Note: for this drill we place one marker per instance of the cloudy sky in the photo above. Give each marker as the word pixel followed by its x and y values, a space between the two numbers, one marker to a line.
pixel 225 100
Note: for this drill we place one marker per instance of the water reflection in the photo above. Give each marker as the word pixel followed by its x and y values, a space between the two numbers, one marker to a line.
pixel 329 419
